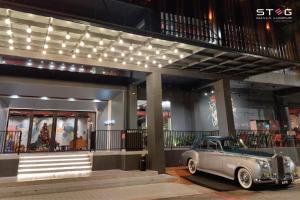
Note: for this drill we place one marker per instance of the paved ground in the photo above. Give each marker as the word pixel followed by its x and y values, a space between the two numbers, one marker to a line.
pixel 179 190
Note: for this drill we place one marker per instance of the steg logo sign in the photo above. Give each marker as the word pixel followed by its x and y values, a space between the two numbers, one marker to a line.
pixel 276 15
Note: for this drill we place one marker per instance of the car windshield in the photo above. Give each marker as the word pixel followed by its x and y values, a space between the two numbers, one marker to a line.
pixel 232 144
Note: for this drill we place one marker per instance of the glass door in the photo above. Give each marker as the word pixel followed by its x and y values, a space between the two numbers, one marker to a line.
pixel 65 132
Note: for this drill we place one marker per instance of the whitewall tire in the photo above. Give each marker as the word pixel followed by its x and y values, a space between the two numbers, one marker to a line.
pixel 192 166
pixel 244 178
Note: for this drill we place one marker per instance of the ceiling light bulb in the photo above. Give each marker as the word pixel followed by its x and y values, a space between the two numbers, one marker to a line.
pixel 139 53
pixel 112 49
pixel 157 52
pixel 147 58
pixel 28 39
pixel 81 69
pixel 181 55
pixel 138 63
pixel 60 52
pixel 46 46
pixel 154 61
pixel 28 47
pixel 28 30
pixel 159 65
pixel 122 54
pixel 7 21
pixel 72 68
pixel 77 50
pixel 89 55
pixel 170 61
pixel 62 67
pixel 50 28
pixel 14 96
pixel 10 41
pixel 71 99
pixel 120 41
pixel 175 50
pixel 81 43
pixel 146 66
pixel 149 46
pixel 73 56
pixel 130 47
pixel 87 35
pixel 48 38
pixel 124 63
pixel 116 59
pixel 11 48
pixel 101 42
pixel 94 50
pixel 44 98
pixel 96 101
pixel 164 56
pixel 9 32
pixel 105 55
pixel 100 59
pixel 68 36
pixel 63 45
pixel 131 58
pixel 44 52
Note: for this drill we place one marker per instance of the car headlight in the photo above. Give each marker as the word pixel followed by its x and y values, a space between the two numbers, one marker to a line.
pixel 263 164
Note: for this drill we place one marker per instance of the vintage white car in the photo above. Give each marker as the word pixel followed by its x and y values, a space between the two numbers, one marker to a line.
pixel 229 158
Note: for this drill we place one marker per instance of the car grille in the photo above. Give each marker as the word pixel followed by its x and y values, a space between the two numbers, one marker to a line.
pixel 278 166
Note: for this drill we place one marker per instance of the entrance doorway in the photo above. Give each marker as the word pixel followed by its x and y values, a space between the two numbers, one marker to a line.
pixel 46 130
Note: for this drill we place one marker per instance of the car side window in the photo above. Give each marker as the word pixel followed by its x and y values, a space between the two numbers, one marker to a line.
pixel 212 145
pixel 203 144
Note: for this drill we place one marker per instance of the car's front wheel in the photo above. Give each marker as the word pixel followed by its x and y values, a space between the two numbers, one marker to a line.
pixel 244 178
pixel 192 166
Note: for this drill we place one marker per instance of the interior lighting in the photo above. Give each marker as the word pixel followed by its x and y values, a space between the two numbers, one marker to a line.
pixel 87 35
pixel 71 99
pixel 9 32
pixel 116 59
pixel 14 96
pixel 146 66
pixel 44 52
pixel 28 47
pixel 131 59
pixel 73 56
pixel 101 42
pixel 28 29
pixel 68 36
pixel 149 46
pixel 139 53
pixel 94 49
pixel 147 58
pixel 63 45
pixel 89 55
pixel 138 63
pixel 159 65
pixel 72 68
pixel 157 52
pixel 50 28
pixel 169 61
pixel 124 63
pixel 81 69
pixel 60 52
pixel 205 94
pixel 10 41
pixel 175 50
pixel 11 48
pixel 181 55
pixel 100 59
pixel 164 56
pixel 28 39
pixel 81 43
pixel 120 41
pixel 46 46
pixel 105 55
pixel 154 62
pixel 44 98
pixel 96 100
pixel 130 47
pixel 48 38
pixel 7 21
pixel 112 49
pixel 77 50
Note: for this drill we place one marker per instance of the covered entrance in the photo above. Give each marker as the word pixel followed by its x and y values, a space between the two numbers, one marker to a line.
pixel 46 130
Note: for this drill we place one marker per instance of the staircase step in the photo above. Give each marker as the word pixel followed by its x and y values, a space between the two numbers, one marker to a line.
pixel 54 160
pixel 56 164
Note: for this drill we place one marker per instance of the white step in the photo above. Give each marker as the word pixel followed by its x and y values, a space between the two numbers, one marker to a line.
pixel 53 165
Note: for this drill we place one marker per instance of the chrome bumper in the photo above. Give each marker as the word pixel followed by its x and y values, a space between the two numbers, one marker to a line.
pixel 285 180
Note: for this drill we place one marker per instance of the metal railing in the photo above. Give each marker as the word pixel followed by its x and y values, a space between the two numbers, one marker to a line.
pixel 10 142
pixel 184 139
pixel 268 138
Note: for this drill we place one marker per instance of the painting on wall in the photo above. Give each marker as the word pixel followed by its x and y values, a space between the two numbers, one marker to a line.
pixel 17 123
pixel 64 133
pixel 41 133
pixel 213 111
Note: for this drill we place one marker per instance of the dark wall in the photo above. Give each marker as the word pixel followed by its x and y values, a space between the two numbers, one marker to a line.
pixel 9 167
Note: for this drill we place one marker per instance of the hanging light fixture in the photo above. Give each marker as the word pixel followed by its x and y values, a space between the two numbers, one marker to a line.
pixel 68 36
pixel 28 29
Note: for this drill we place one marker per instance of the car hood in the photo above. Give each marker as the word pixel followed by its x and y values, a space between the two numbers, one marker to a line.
pixel 247 152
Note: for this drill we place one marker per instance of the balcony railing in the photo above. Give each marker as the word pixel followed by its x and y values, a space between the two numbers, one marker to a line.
pixel 229 35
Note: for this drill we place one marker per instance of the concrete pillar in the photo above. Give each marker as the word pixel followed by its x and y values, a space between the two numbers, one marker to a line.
pixel 132 106
pixel 155 122
pixel 224 108
pixel 281 112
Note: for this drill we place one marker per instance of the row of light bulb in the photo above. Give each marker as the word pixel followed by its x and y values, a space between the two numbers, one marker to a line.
pixel 87 35
pixel 48 98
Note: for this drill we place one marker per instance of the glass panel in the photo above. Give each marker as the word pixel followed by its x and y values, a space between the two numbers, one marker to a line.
pixel 82 134
pixel 17 123
pixel 41 133
pixel 64 133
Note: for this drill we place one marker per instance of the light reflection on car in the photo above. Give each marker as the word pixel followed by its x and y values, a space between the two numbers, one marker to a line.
pixel 230 158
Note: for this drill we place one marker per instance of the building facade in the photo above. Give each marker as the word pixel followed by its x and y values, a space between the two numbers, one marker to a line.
pixel 121 77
